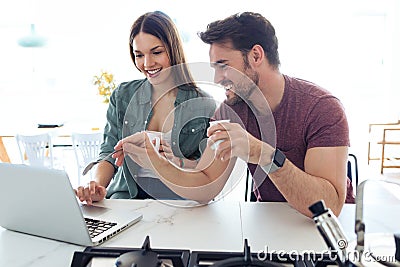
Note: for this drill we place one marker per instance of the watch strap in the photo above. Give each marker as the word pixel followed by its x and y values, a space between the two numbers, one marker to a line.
pixel 277 161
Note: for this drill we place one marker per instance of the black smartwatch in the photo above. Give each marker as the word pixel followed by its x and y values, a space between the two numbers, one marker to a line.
pixel 277 161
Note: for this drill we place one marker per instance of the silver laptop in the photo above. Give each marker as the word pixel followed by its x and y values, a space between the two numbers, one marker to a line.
pixel 41 201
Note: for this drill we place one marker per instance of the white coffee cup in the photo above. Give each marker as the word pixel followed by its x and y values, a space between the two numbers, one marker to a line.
pixel 216 144
pixel 155 138
pixel 212 123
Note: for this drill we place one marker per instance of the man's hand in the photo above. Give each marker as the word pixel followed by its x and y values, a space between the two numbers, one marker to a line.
pixel 236 142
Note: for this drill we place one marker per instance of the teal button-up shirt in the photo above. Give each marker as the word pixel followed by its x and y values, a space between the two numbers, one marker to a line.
pixel 129 111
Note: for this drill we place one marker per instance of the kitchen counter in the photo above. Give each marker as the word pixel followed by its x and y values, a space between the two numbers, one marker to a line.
pixel 221 226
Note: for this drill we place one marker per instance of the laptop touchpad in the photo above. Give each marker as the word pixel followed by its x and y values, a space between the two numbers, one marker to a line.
pixel 93 211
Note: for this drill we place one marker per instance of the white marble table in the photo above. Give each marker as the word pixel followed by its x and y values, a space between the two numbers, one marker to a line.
pixel 220 226
pixel 276 226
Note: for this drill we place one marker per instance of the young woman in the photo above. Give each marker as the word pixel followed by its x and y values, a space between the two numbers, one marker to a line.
pixel 166 100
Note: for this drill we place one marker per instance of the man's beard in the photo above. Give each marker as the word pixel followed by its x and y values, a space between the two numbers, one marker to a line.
pixel 244 89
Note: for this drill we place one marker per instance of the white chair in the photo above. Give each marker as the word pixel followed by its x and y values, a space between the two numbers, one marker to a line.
pixel 86 147
pixel 36 150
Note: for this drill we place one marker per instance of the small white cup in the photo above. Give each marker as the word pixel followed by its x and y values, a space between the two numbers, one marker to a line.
pixel 216 144
pixel 212 123
pixel 155 138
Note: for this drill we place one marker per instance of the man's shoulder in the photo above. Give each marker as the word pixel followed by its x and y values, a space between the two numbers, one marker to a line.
pixel 305 96
pixel 304 87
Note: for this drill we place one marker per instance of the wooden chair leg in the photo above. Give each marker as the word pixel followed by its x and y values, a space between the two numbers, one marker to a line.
pixel 382 158
pixel 369 152
pixel 3 152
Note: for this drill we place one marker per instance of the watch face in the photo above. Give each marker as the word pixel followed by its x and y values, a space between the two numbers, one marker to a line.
pixel 279 158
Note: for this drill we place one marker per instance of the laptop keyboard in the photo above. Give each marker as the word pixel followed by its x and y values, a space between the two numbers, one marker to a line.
pixel 97 227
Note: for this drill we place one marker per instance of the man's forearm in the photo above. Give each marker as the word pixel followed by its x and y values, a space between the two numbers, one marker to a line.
pixel 201 184
pixel 301 189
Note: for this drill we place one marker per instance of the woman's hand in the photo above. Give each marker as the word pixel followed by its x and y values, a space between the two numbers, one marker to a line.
pixel 166 151
pixel 139 147
pixel 91 193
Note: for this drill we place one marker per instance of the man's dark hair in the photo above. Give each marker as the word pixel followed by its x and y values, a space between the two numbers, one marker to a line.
pixel 244 30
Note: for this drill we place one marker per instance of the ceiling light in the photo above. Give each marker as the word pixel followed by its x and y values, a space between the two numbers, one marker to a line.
pixel 32 40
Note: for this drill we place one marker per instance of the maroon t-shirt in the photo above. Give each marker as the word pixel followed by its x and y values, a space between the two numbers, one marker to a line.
pixel 308 116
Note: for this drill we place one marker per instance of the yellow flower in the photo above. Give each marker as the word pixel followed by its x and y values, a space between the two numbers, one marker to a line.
pixel 105 85
pixel 109 77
